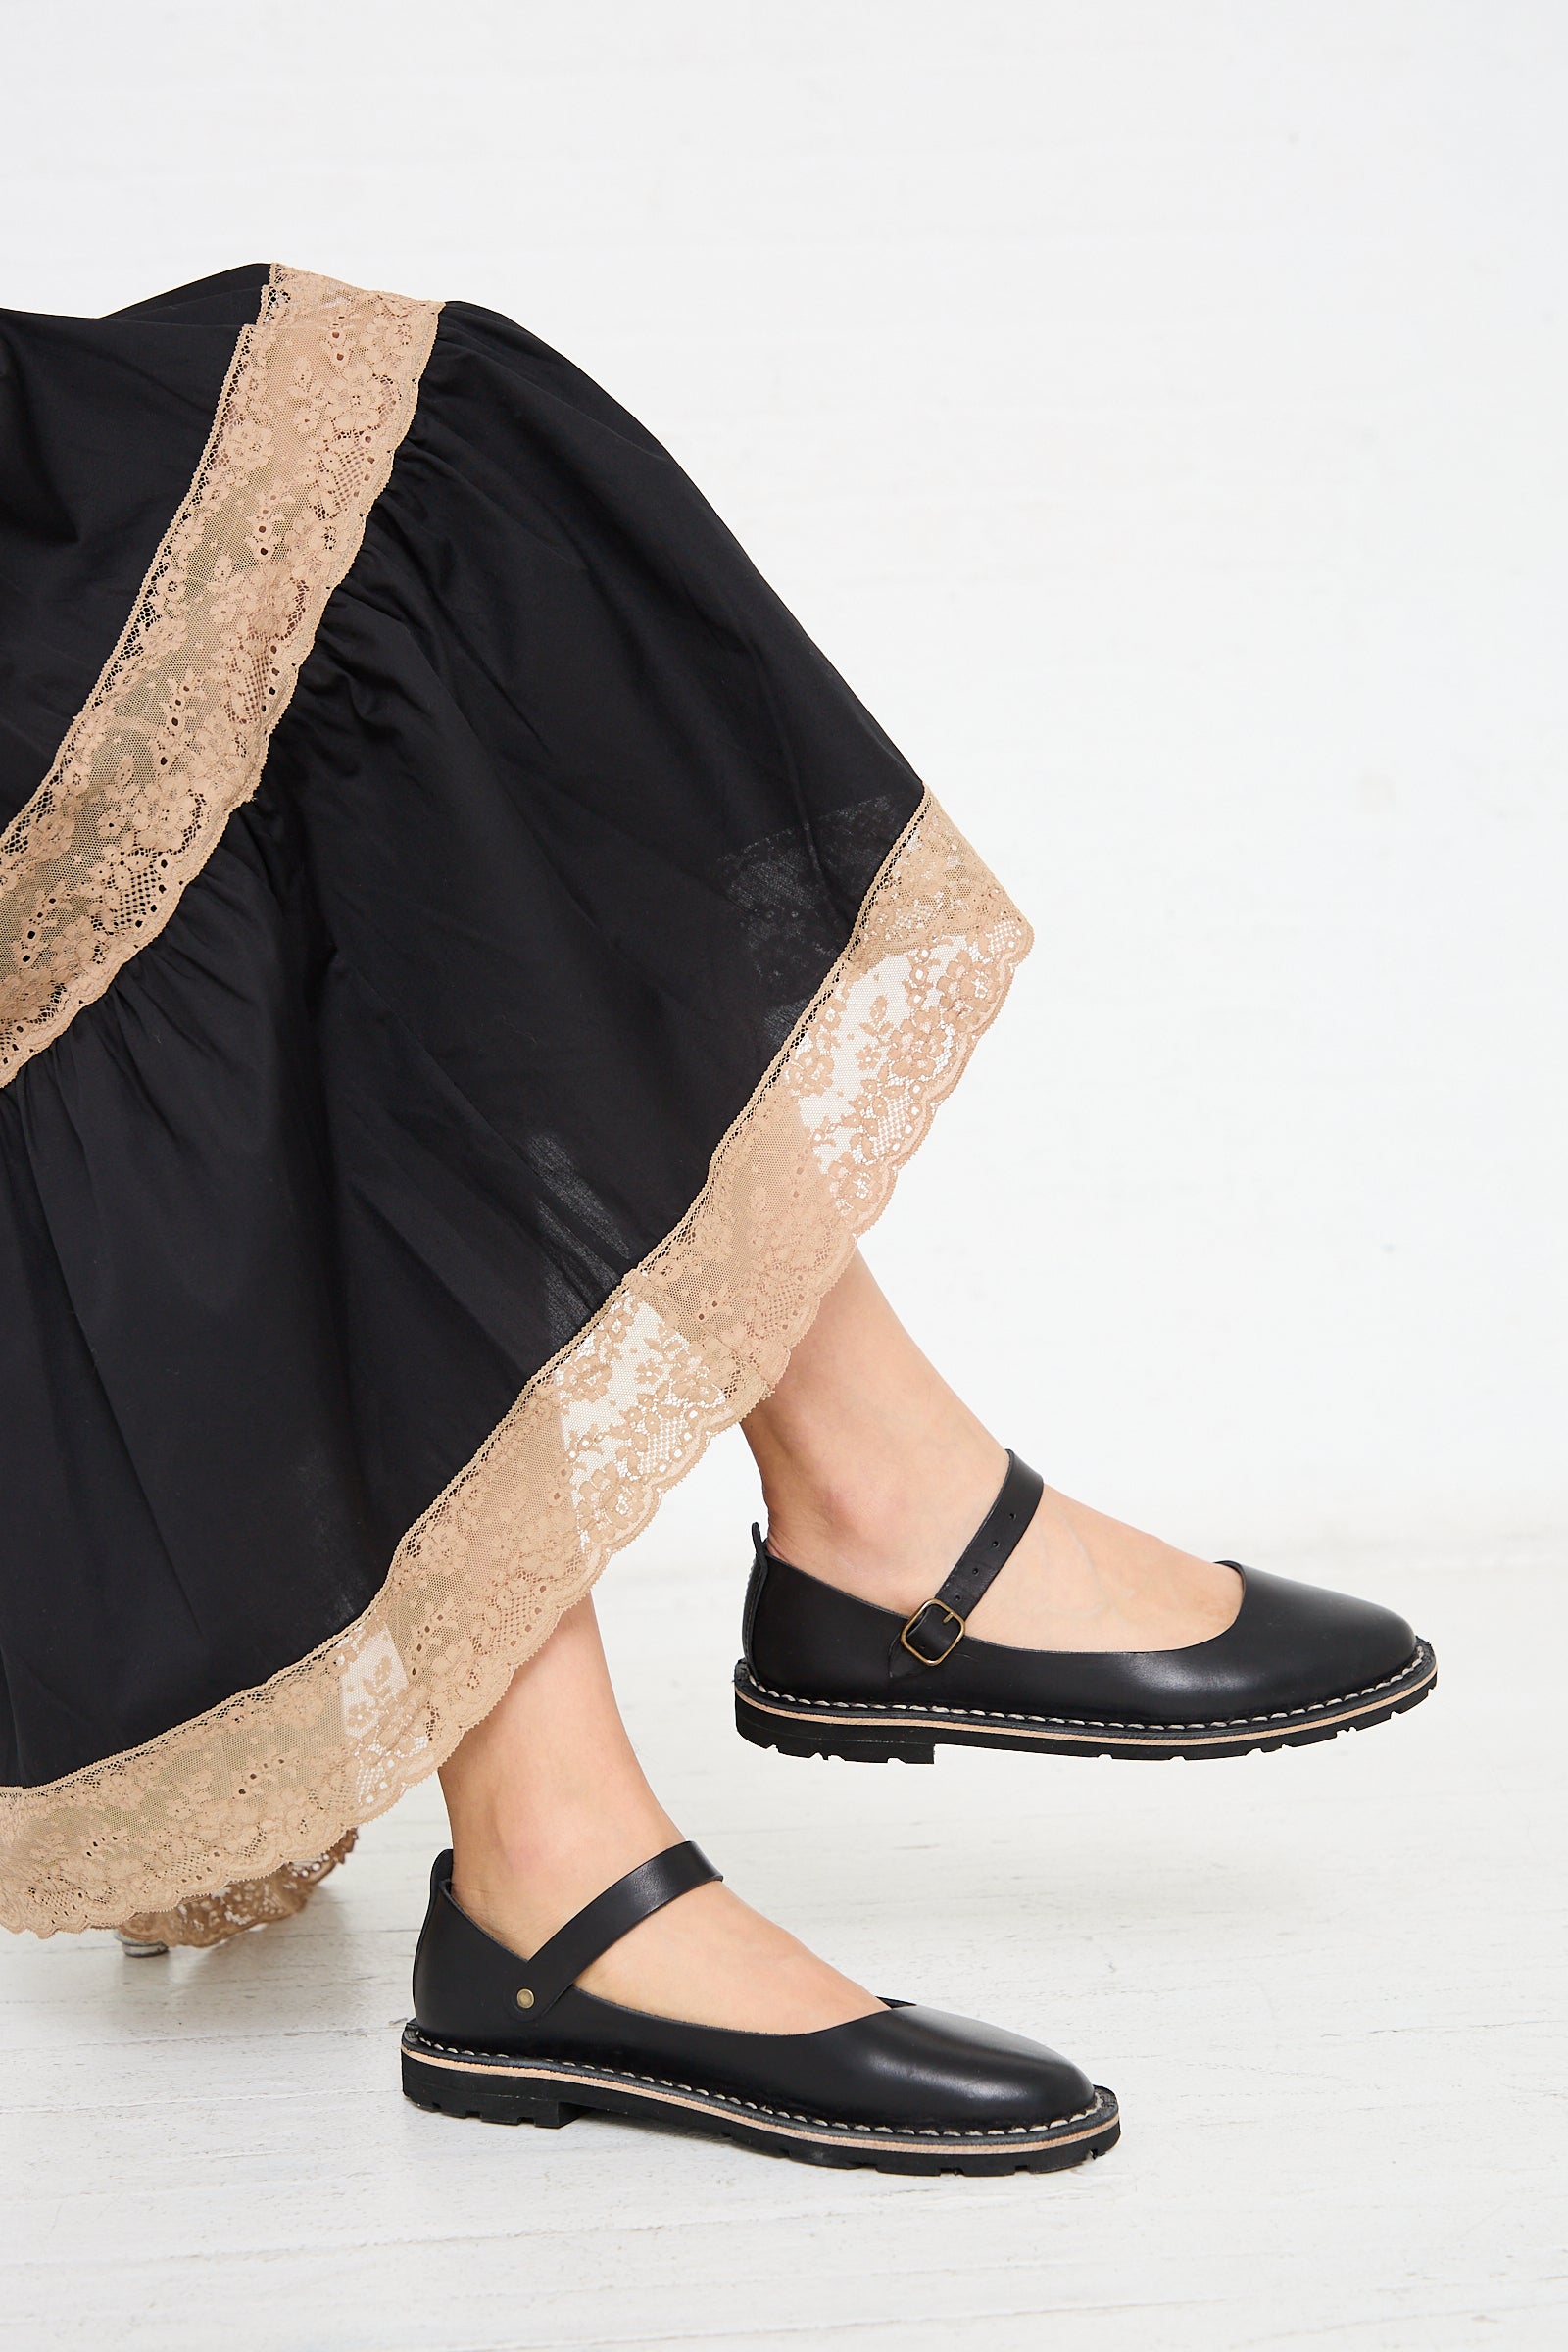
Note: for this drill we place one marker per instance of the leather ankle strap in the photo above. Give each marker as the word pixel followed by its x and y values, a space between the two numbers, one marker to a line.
pixel 937 1627
pixel 557 1964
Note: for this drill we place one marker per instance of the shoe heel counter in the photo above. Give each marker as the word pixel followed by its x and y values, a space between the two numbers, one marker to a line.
pixel 754 1587
pixel 804 1636
pixel 428 1971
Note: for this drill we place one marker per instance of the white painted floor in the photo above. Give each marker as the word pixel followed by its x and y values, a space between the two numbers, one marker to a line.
pixel 1325 1984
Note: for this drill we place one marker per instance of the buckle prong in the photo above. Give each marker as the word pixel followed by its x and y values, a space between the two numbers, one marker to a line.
pixel 953 1619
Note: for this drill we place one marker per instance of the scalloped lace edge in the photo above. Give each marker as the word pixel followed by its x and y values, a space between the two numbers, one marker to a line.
pixel 203 1920
pixel 685 1346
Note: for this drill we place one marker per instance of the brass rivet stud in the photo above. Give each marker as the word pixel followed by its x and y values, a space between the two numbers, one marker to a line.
pixel 525 1997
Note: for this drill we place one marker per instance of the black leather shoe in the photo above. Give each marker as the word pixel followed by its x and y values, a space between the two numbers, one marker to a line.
pixel 907 2091
pixel 828 1674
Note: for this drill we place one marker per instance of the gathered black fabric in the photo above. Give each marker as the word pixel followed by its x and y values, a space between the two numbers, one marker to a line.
pixel 102 424
pixel 563 827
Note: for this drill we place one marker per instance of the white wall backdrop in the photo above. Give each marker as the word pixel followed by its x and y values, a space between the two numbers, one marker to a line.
pixel 1156 409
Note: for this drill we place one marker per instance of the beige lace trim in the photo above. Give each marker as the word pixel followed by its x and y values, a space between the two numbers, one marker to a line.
pixel 690 1340
pixel 208 1919
pixel 321 391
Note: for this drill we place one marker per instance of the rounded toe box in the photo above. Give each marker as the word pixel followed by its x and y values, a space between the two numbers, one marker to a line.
pixel 929 2070
pixel 1303 1645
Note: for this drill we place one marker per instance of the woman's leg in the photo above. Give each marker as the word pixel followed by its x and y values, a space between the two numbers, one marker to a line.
pixel 876 1475
pixel 548 1806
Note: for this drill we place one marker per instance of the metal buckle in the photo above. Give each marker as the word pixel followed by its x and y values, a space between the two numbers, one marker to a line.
pixel 953 1619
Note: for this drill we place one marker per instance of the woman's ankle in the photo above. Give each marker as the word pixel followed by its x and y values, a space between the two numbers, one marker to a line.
pixel 875 1473
pixel 548 1806
pixel 546 1800
pixel 522 1879
pixel 889 1527
pixel 708 1958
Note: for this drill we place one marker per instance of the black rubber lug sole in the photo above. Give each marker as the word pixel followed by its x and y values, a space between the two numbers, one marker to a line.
pixel 806 1738
pixel 868 1735
pixel 487 2088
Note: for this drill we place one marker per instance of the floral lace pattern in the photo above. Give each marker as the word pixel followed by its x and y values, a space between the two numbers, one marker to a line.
pixel 321 391
pixel 690 1340
pixel 208 1919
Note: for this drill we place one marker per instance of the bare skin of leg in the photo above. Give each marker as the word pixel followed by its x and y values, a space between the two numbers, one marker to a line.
pixel 876 1475
pixel 548 1806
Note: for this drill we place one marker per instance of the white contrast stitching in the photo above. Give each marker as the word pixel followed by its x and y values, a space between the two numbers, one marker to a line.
pixel 414 2036
pixel 1088 1723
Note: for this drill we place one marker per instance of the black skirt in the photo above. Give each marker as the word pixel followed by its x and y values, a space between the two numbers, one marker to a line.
pixel 470 969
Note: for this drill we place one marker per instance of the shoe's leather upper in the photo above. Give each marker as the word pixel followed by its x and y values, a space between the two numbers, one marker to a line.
pixel 1291 1646
pixel 916 2069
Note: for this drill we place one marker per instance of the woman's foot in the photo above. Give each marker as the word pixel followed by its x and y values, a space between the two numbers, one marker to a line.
pixel 513 2040
pixel 877 1475
pixel 548 1806
pixel 1077 1580
pixel 709 1959
pixel 916 1593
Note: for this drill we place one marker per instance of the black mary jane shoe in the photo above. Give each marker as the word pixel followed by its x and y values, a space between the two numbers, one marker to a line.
pixel 510 2040
pixel 828 1674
